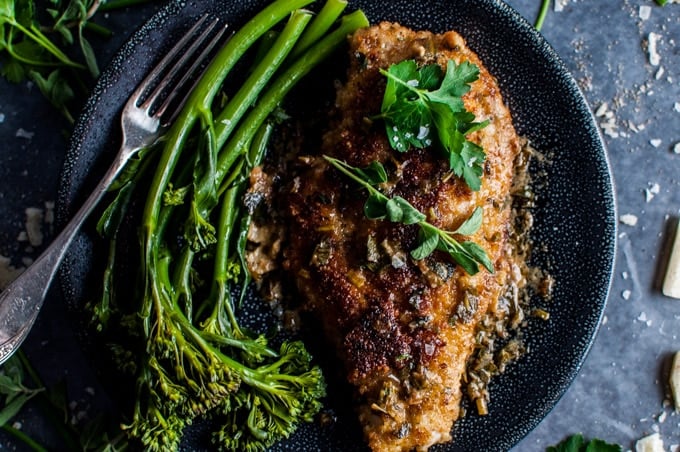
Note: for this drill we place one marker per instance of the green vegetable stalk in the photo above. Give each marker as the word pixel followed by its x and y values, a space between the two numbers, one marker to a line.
pixel 197 359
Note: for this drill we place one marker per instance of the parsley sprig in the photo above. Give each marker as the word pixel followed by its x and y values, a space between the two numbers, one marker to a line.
pixel 396 209
pixel 423 107
pixel 576 443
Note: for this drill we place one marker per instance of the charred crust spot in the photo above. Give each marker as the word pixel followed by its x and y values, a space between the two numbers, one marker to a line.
pixel 376 342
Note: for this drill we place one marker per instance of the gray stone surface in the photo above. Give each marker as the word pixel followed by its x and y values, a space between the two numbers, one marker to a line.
pixel 621 393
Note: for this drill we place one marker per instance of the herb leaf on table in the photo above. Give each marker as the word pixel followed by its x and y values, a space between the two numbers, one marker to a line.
pixel 576 443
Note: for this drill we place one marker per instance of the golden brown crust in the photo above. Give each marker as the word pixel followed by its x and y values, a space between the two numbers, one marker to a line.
pixel 403 328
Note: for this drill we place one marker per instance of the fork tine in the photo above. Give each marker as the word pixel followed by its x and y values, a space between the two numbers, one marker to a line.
pixel 182 56
pixel 207 49
pixel 137 95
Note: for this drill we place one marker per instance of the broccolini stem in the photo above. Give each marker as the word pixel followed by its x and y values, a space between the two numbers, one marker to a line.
pixel 182 281
pixel 282 85
pixel 221 295
pixel 247 94
pixel 200 100
pixel 323 21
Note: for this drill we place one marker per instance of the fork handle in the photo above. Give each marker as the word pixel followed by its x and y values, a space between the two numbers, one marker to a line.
pixel 22 299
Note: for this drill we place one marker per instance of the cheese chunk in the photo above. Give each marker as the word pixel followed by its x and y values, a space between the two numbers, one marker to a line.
pixel 671 283
pixel 651 443
pixel 675 380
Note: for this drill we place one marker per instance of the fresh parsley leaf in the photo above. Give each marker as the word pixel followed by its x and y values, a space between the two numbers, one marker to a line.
pixel 56 89
pixel 576 443
pixel 428 240
pixel 400 210
pixel 472 224
pixel 396 209
pixel 375 207
pixel 477 254
pixel 423 106
pixel 455 84
pixel 374 173
pixel 28 51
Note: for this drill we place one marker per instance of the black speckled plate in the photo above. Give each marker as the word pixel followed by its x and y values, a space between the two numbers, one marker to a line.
pixel 575 219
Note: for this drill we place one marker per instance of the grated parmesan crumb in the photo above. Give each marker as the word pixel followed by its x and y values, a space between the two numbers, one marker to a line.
pixel 656 142
pixel 659 73
pixel 626 294
pixel 34 219
pixel 49 212
pixel 654 57
pixel 21 133
pixel 603 108
pixel 676 148
pixel 628 219
pixel 644 319
pixel 652 191
pixel 645 12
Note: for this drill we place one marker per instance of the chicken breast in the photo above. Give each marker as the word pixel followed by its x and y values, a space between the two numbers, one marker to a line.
pixel 403 328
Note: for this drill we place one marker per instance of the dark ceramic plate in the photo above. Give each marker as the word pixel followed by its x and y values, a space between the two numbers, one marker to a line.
pixel 575 219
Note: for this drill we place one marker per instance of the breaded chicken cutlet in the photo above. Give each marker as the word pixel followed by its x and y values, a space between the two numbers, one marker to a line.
pixel 402 328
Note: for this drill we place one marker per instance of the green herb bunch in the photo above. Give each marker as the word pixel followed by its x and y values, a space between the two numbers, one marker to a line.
pixel 38 39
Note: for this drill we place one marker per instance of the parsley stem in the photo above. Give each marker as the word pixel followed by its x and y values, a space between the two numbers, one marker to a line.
pixel 34 34
pixel 98 29
pixel 543 12
pixel 467 254
pixel 346 169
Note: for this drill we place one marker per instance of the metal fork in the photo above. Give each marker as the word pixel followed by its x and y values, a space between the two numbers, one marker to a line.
pixel 149 111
